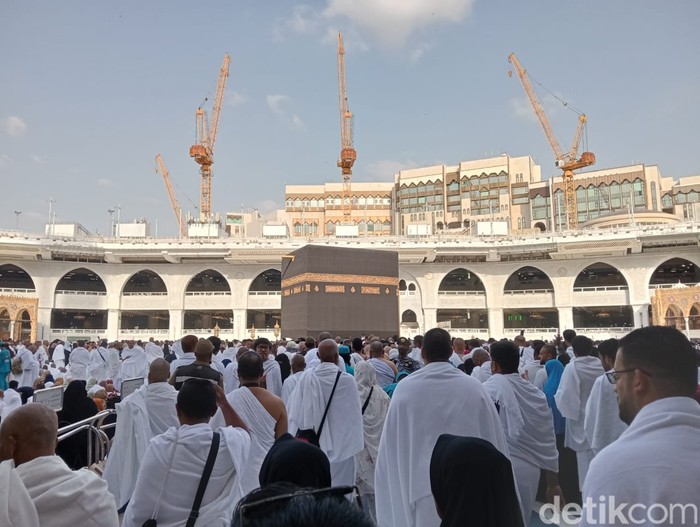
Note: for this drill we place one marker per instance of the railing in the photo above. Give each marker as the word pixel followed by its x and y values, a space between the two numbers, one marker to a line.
pixel 664 286
pixel 601 288
pixel 624 330
pixel 98 443
pixel 461 293
pixel 265 293
pixel 527 291
pixel 16 290
pixel 529 331
pixel 408 293
pixel 208 293
pixel 89 293
pixel 144 330
pixel 69 331
pixel 145 293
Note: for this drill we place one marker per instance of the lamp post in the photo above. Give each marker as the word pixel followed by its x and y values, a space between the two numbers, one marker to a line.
pixel 111 222
pixel 17 213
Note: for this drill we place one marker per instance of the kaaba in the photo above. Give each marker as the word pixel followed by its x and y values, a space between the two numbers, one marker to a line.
pixel 347 292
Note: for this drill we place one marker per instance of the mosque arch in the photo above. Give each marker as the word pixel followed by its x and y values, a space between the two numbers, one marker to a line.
pixel 5 322
pixel 208 281
pixel 14 277
pixel 269 280
pixel 674 317
pixel 81 279
pixel 694 316
pixel 528 278
pixel 461 280
pixel 144 282
pixel 409 317
pixel 600 274
pixel 674 271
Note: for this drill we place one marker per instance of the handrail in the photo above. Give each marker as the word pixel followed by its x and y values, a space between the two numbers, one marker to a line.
pixel 95 427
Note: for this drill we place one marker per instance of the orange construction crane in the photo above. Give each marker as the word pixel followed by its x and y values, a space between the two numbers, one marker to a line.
pixel 566 161
pixel 171 194
pixel 203 151
pixel 348 155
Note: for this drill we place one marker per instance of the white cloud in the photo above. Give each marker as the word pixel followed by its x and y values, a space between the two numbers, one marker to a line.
pixel 38 159
pixel 104 182
pixel 5 160
pixel 385 169
pixel 13 126
pixel 266 206
pixel 275 102
pixel 235 98
pixel 352 41
pixel 392 22
pixel 522 107
pixel 296 121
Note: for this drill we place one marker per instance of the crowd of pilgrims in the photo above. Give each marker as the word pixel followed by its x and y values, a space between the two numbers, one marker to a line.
pixel 350 432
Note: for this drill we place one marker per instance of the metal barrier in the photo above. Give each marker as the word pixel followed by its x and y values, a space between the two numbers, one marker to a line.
pixel 98 443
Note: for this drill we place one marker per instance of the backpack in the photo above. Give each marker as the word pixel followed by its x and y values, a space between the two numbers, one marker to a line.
pixel 17 366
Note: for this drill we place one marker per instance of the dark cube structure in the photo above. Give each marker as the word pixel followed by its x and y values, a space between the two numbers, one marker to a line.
pixel 348 292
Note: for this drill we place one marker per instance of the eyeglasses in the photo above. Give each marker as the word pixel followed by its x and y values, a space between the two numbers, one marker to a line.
pixel 613 375
pixel 244 512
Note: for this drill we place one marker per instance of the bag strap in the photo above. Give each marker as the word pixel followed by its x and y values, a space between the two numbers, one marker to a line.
pixel 320 428
pixel 364 406
pixel 211 458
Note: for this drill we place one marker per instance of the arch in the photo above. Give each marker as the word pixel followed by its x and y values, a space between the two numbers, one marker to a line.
pixel 14 277
pixel 268 280
pixel 144 281
pixel 674 271
pixel 23 326
pixel 208 281
pixel 600 274
pixel 81 279
pixel 5 322
pixel 541 226
pixel 528 278
pixel 694 316
pixel 411 287
pixel 674 317
pixel 461 280
pixel 409 317
pixel 402 285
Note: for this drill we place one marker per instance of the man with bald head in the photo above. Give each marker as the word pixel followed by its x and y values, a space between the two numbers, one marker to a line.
pixel 385 369
pixel 201 368
pixel 482 365
pixel 61 496
pixel 298 367
pixel 342 434
pixel 144 414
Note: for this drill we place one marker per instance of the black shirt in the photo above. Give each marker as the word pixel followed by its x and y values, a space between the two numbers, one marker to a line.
pixel 196 371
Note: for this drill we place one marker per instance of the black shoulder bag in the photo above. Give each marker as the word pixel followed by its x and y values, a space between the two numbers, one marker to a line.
pixel 310 435
pixel 364 406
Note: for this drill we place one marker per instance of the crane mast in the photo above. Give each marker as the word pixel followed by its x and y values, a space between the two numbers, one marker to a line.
pixel 566 161
pixel 203 151
pixel 348 155
pixel 171 194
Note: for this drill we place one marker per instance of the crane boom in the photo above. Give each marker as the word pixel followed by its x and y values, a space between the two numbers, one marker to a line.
pixel 171 194
pixel 203 151
pixel 568 161
pixel 348 155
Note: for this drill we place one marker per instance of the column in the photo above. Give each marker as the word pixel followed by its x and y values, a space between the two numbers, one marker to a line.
pixel 43 323
pixel 175 331
pixel 566 318
pixel 496 322
pixel 641 315
pixel 687 326
pixel 240 318
pixel 113 321
pixel 429 319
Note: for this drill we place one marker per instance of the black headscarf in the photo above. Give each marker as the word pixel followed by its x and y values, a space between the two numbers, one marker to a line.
pixel 472 483
pixel 298 462
pixel 285 365
pixel 76 403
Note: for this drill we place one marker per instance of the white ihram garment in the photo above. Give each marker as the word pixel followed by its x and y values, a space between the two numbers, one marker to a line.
pixel 144 414
pixel 10 401
pixel 527 423
pixel 273 376
pixel 289 384
pixel 483 372
pixel 133 366
pixel 571 398
pixel 261 426
pixel 437 399
pixel 153 351
pixel 655 463
pixel 99 365
pixel 30 367
pixel 65 497
pixel 342 433
pixel 231 381
pixel 602 423
pixel 16 506
pixel 79 361
pixel 174 463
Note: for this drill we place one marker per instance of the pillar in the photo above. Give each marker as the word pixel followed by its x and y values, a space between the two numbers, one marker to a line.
pixel 43 323
pixel 566 318
pixel 175 325
pixel 496 329
pixel 113 321
pixel 429 319
pixel 239 324
pixel 641 315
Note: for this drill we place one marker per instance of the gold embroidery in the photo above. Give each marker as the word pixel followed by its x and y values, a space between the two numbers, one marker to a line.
pixel 335 289
pixel 369 290
pixel 340 278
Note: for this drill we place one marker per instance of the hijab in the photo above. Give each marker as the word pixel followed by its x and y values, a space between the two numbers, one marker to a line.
pixel 285 366
pixel 555 369
pixel 472 483
pixel 76 403
pixel 298 462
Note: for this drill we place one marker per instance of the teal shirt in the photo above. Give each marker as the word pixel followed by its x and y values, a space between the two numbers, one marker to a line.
pixel 5 361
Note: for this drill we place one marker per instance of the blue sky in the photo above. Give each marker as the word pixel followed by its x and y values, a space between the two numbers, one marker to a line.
pixel 91 91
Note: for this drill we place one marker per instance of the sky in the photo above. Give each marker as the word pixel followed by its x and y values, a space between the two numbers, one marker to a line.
pixel 91 91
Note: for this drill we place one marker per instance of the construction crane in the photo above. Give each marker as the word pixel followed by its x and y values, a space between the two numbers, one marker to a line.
pixel 566 161
pixel 203 151
pixel 171 194
pixel 348 155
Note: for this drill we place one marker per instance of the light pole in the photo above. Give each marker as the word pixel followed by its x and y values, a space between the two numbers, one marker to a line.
pixel 51 222
pixel 111 222
pixel 17 213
